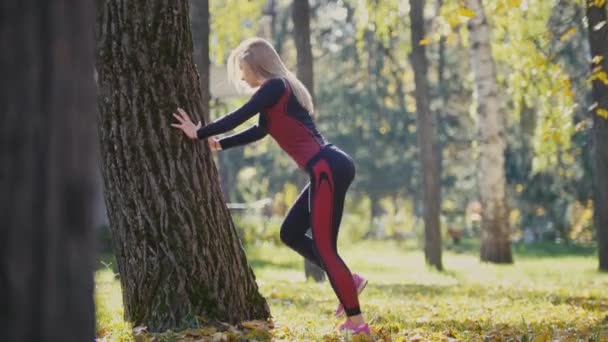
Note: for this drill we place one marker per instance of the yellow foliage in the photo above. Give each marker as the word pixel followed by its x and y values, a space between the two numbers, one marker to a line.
pixel 602 113
pixel 599 74
pixel 425 41
pixel 581 219
pixel 597 3
pixel 514 3
pixel 569 34
pixel 466 12
pixel 597 59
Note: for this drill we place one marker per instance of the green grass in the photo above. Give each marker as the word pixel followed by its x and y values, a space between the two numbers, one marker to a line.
pixel 541 297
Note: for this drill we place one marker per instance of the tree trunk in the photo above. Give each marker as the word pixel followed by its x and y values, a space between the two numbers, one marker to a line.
pixel 495 244
pixel 427 140
pixel 598 41
pixel 267 22
pixel 301 35
pixel 200 37
pixel 49 156
pixel 177 249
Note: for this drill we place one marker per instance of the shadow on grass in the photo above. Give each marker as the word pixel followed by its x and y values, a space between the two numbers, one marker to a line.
pixel 408 290
pixel 487 330
pixel 531 250
pixel 548 249
pixel 591 303
pixel 258 263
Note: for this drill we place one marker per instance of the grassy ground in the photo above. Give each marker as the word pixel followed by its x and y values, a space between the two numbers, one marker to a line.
pixel 549 294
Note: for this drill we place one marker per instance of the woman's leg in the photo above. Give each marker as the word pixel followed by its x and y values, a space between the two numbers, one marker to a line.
pixel 331 177
pixel 295 225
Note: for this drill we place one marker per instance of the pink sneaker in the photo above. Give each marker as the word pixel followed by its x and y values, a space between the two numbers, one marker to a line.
pixel 354 329
pixel 360 283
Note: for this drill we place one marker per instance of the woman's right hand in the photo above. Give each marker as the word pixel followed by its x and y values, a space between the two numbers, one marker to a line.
pixel 214 144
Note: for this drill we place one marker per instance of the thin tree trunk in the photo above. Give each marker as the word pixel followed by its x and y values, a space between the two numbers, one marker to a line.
pixel 376 211
pixel 495 244
pixel 177 249
pixel 427 140
pixel 598 41
pixel 49 156
pixel 301 35
pixel 267 22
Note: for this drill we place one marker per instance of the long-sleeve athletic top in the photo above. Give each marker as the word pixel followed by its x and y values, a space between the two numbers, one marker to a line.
pixel 281 116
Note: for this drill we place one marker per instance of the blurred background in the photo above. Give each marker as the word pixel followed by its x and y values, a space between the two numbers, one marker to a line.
pixel 365 103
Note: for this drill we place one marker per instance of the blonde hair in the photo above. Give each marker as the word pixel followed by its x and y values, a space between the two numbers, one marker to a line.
pixel 264 61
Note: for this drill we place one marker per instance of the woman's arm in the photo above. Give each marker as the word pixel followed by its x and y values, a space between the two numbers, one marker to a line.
pixel 253 133
pixel 268 95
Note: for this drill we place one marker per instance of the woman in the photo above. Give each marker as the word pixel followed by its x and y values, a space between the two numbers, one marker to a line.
pixel 285 108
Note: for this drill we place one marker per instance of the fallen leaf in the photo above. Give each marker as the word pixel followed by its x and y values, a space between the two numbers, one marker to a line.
pixel 256 325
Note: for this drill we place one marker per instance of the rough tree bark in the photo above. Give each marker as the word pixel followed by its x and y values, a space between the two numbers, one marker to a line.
pixel 598 41
pixel 301 35
pixel 495 240
pixel 48 157
pixel 427 140
pixel 176 247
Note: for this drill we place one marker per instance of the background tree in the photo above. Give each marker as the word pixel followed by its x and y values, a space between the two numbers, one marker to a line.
pixel 305 73
pixel 177 251
pixel 495 239
pixel 598 41
pixel 427 140
pixel 49 155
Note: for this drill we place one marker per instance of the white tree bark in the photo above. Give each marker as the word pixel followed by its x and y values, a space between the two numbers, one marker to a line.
pixel 496 246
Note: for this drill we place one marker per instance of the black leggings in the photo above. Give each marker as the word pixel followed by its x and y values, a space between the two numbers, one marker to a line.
pixel 319 207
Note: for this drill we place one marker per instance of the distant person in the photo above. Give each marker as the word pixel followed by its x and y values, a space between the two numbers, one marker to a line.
pixel 285 107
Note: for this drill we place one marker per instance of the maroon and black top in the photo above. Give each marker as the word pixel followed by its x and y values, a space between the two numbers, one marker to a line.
pixel 281 116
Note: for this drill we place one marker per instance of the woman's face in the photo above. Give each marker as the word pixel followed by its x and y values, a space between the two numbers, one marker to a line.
pixel 248 75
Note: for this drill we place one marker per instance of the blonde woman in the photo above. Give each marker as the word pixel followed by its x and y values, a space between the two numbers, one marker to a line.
pixel 285 107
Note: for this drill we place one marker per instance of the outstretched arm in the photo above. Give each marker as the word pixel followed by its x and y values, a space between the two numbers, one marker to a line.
pixel 268 95
pixel 253 133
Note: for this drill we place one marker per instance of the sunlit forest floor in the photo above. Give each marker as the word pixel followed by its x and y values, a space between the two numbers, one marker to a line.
pixel 551 293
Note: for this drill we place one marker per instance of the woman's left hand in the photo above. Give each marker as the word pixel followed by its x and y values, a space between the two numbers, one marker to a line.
pixel 185 124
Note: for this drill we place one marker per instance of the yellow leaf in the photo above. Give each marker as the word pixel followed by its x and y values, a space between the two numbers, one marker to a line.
pixel 600 75
pixel 219 336
pixel 514 3
pixel 425 41
pixel 602 113
pixel 597 3
pixel 454 20
pixel 466 12
pixel 255 325
pixel 568 34
pixel 597 59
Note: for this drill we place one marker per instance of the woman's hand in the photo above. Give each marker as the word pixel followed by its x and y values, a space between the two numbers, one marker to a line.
pixel 214 144
pixel 186 125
